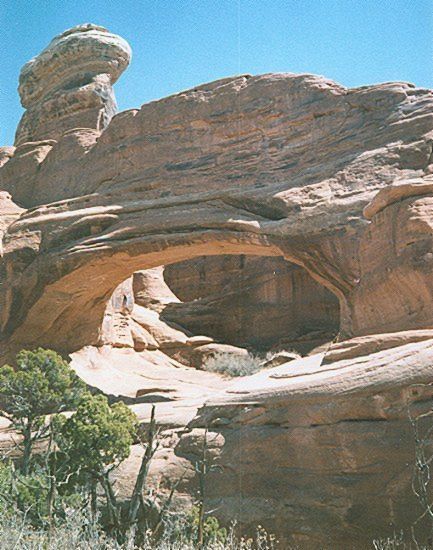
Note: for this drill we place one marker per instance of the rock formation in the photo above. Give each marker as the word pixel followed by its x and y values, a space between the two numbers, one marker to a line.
pixel 337 181
pixel 69 84
pixel 255 302
pixel 264 304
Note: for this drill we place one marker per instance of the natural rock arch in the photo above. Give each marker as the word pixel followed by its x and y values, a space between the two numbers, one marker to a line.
pixel 284 163
pixel 76 301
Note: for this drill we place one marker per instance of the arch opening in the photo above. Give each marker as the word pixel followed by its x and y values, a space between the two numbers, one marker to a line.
pixel 178 308
pixel 260 304
pixel 78 299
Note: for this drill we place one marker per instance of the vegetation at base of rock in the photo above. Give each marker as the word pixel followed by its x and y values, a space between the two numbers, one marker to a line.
pixel 42 383
pixel 95 440
pixel 77 453
pixel 233 365
pixel 187 529
pixel 397 542
pixel 79 532
pixel 61 495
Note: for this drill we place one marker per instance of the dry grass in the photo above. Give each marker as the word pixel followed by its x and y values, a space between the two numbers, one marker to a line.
pixel 77 532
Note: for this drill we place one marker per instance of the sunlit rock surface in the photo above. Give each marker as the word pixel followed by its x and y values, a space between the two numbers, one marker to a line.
pixel 68 85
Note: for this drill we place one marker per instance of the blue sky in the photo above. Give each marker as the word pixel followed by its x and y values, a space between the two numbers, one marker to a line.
pixel 178 44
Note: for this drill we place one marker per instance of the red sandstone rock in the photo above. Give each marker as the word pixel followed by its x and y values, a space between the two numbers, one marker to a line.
pixel 260 303
pixel 68 85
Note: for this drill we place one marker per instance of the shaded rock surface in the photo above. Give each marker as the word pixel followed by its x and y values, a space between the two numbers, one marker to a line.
pixel 252 302
pixel 134 318
pixel 256 303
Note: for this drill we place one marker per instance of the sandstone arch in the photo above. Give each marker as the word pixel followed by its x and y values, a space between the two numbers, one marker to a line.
pixel 76 297
pixel 286 160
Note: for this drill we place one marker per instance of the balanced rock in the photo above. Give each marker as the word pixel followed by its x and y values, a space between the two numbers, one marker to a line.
pixel 69 84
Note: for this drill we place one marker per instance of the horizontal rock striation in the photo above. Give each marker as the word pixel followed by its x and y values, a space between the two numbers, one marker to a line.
pixel 322 456
pixel 272 165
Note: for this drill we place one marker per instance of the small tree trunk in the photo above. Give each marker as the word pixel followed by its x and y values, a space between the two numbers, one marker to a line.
pixel 200 535
pixel 157 531
pixel 142 474
pixel 202 472
pixel 52 496
pixel 113 511
pixel 27 448
pixel 93 500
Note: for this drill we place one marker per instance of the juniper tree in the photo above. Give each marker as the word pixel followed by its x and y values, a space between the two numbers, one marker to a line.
pixel 42 383
pixel 94 441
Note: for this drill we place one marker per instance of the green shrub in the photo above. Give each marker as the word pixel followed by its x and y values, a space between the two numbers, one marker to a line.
pixel 30 495
pixel 233 365
pixel 184 528
pixel 98 437
pixel 51 501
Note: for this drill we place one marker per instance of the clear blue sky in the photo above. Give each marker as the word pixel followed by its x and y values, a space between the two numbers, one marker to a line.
pixel 178 44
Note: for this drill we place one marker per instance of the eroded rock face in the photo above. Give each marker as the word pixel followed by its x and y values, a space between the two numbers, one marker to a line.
pixel 271 165
pixel 68 96
pixel 246 181
pixel 323 457
pixel 134 318
pixel 9 212
pixel 396 257
pixel 68 85
pixel 256 302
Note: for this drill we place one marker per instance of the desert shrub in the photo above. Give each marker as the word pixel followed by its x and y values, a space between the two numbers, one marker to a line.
pixel 233 365
pixel 97 438
pixel 51 501
pixel 77 531
pixel 395 543
pixel 32 495
pixel 184 529
pixel 91 444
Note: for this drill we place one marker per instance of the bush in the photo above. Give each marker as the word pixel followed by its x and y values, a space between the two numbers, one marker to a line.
pixel 53 503
pixel 184 529
pixel 29 495
pixel 394 543
pixel 98 437
pixel 233 365
pixel 76 532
